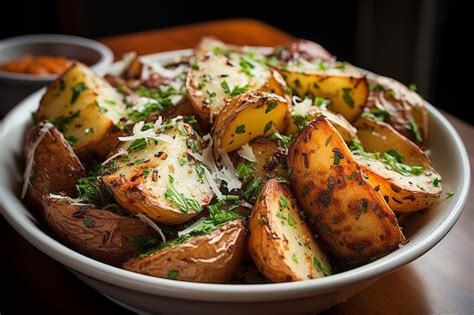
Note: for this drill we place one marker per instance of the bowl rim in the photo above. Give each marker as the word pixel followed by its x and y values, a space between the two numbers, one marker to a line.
pixel 106 54
pixel 226 292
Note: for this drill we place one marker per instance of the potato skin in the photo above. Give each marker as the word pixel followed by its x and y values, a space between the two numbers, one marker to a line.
pixel 246 118
pixel 99 234
pixel 401 103
pixel 55 168
pixel 210 258
pixel 349 215
pixel 378 136
pixel 271 246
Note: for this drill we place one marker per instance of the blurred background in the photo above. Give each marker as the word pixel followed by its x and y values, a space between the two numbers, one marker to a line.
pixel 411 41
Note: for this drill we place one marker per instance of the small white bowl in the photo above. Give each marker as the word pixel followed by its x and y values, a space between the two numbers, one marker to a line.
pixel 143 293
pixel 16 86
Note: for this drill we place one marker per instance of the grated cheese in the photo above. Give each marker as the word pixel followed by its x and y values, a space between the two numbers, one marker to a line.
pixel 154 67
pixel 30 157
pixel 192 227
pixel 120 152
pixel 151 224
pixel 246 152
pixel 69 200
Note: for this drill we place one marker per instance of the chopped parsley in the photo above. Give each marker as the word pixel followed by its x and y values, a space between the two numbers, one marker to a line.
pixel 285 140
pixel 378 114
pixel 173 274
pixel 137 145
pixel 268 126
pixel 270 106
pixel 237 90
pixel 320 267
pixel 291 220
pixel 240 129
pixel 294 258
pixel 77 89
pixel 184 204
pixel 436 182
pixel 449 194
pixel 413 87
pixel 346 96
pixel 244 170
pixel 62 122
pixel 225 87
pixel 143 243
pixel 415 130
pixel 91 189
pixel 283 202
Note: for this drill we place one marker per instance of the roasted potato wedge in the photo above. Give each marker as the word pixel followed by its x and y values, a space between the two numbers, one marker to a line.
pixel 252 115
pixel 215 80
pixel 279 242
pixel 378 136
pixel 308 113
pixel 403 192
pixel 347 90
pixel 401 107
pixel 99 234
pixel 270 158
pixel 158 177
pixel 54 165
pixel 210 258
pixel 347 211
pixel 86 109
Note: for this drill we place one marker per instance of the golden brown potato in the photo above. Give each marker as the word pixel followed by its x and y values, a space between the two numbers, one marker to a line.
pixel 211 258
pixel 99 234
pixel 347 211
pixel 404 191
pixel 399 106
pixel 252 115
pixel 86 109
pixel 378 136
pixel 346 89
pixel 270 158
pixel 279 242
pixel 157 176
pixel 55 166
pixel 304 112
pixel 216 79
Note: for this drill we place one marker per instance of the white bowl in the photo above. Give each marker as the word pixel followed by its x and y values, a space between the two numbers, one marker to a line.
pixel 148 294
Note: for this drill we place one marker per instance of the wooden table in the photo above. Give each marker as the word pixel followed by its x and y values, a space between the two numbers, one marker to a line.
pixel 441 282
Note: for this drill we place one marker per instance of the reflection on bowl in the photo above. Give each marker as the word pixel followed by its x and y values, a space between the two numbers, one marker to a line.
pixel 15 86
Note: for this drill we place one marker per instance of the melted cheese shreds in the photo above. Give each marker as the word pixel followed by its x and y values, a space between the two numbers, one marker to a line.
pixel 151 68
pixel 151 224
pixel 246 152
pixel 214 183
pixel 69 200
pixel 30 157
pixel 120 152
pixel 301 107
pixel 192 227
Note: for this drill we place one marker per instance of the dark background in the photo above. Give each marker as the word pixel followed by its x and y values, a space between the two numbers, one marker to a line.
pixel 416 41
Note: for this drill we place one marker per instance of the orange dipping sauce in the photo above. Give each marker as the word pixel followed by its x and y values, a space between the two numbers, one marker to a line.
pixel 37 65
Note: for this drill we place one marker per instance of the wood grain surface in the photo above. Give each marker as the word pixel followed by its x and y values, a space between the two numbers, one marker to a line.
pixel 440 282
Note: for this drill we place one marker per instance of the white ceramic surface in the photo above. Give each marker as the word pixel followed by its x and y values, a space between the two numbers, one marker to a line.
pixel 163 296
